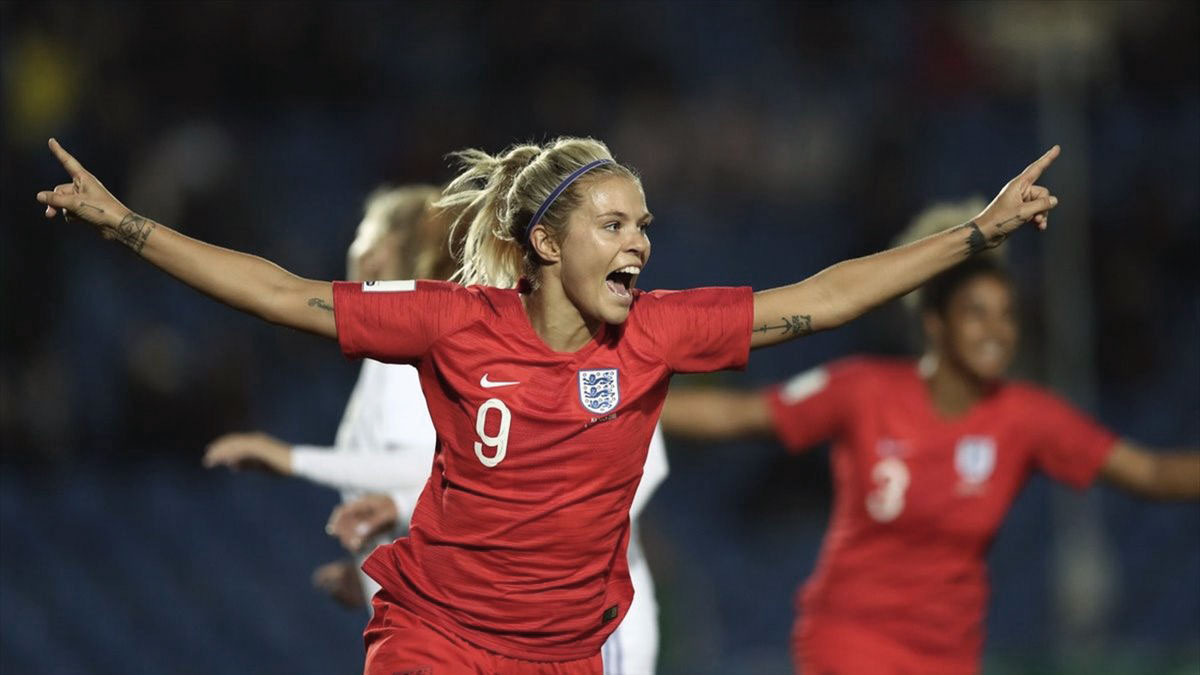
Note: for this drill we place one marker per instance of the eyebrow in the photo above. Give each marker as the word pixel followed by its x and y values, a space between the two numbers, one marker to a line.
pixel 625 216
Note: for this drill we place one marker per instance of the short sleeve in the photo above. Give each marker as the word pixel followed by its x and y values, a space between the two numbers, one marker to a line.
pixel 699 330
pixel 398 321
pixel 815 405
pixel 1069 446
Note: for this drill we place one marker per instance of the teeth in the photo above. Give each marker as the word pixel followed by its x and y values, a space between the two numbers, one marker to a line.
pixel 631 269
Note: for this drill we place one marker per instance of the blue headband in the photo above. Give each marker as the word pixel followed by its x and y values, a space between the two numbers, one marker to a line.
pixel 557 192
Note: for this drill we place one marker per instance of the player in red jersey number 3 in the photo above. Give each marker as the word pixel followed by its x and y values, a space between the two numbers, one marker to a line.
pixel 544 397
pixel 927 459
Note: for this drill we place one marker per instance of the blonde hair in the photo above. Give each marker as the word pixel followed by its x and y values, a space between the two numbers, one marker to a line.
pixel 498 195
pixel 391 209
pixel 935 218
pixel 437 243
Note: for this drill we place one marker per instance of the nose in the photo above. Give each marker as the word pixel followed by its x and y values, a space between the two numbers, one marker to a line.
pixel 637 243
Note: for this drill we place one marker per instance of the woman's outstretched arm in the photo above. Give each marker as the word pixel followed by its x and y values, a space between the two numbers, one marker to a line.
pixel 711 414
pixel 1154 474
pixel 848 289
pixel 240 280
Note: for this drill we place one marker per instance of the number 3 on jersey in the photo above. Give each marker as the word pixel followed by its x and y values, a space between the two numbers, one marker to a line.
pixel 499 441
pixel 891 478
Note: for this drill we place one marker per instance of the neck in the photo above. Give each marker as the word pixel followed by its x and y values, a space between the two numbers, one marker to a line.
pixel 556 320
pixel 952 390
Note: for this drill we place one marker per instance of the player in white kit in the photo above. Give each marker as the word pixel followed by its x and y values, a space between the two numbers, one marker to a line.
pixel 385 440
pixel 383 451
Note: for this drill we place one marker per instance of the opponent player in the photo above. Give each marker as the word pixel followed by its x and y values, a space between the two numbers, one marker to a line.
pixel 385 441
pixel 927 458
pixel 544 397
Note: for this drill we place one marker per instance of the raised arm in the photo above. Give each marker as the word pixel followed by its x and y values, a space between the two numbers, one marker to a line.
pixel 242 281
pixel 1153 474
pixel 848 289
pixel 716 414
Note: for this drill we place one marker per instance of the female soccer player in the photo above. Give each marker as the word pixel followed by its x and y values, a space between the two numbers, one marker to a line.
pixel 384 448
pixel 927 458
pixel 385 441
pixel 544 397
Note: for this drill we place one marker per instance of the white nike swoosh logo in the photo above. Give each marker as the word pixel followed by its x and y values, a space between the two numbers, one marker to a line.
pixel 488 384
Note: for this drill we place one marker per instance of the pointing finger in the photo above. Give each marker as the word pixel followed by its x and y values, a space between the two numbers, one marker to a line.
pixel 1034 170
pixel 69 163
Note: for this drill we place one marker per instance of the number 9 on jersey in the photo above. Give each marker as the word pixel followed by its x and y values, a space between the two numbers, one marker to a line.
pixel 499 442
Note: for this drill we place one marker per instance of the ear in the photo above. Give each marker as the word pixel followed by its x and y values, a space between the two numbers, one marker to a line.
pixel 544 244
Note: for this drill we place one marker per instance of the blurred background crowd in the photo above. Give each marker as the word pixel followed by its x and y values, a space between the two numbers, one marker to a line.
pixel 773 139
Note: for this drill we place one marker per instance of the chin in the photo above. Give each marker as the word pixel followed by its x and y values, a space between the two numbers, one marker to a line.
pixel 989 374
pixel 615 316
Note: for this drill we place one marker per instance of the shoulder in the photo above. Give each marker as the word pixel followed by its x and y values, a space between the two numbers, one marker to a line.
pixel 706 294
pixel 876 369
pixel 473 300
pixel 693 302
pixel 1020 391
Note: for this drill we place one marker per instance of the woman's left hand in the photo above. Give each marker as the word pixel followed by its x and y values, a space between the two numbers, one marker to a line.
pixel 1019 201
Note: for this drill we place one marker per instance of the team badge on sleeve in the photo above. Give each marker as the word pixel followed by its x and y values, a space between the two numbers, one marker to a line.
pixel 804 385
pixel 389 286
pixel 975 458
pixel 599 391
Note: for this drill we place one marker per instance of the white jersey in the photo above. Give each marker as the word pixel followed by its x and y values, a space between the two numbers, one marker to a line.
pixel 385 445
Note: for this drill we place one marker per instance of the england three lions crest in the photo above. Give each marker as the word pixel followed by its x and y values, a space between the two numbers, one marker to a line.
pixel 975 458
pixel 599 390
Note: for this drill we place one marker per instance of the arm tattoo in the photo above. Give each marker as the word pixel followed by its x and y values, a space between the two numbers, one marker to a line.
pixel 976 242
pixel 134 230
pixel 796 324
pixel 320 304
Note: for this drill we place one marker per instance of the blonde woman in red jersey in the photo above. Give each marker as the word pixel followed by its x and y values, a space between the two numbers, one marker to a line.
pixel 544 397
pixel 927 458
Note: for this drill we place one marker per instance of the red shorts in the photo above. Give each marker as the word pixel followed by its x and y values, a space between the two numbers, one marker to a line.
pixel 400 643
pixel 823 646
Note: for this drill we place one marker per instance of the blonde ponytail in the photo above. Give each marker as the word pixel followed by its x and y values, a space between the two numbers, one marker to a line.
pixel 496 196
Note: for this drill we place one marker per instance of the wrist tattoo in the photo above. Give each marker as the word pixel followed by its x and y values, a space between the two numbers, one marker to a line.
pixel 134 230
pixel 795 325
pixel 976 241
pixel 320 304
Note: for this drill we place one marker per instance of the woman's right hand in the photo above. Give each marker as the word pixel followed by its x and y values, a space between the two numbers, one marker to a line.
pixel 85 198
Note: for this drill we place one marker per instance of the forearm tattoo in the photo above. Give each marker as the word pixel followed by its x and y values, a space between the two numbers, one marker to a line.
pixel 977 241
pixel 134 230
pixel 320 304
pixel 795 325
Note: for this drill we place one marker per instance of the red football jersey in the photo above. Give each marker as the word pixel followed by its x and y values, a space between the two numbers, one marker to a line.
pixel 919 498
pixel 517 543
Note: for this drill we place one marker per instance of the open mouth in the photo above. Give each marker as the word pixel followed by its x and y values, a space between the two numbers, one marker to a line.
pixel 620 282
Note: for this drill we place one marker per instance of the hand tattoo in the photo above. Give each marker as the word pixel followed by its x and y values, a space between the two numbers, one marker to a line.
pixel 134 230
pixel 320 304
pixel 796 324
